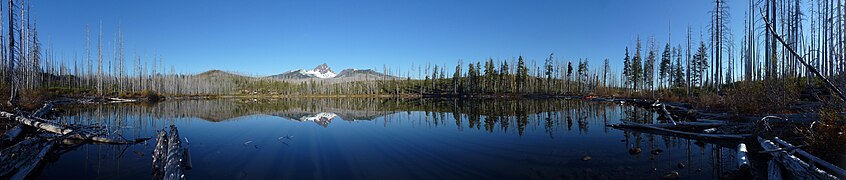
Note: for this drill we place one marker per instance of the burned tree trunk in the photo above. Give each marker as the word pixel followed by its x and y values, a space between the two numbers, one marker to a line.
pixel 170 158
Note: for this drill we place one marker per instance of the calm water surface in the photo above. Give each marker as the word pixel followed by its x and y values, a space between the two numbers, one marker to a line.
pixel 386 139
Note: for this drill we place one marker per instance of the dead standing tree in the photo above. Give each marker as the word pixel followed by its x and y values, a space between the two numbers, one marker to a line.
pixel 810 68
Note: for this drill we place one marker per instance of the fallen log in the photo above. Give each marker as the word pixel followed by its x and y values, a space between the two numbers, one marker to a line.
pixel 16 131
pixel 688 125
pixel 120 100
pixel 61 130
pixel 169 156
pixel 160 155
pixel 44 110
pixel 797 168
pixel 814 159
pixel 625 124
pixel 666 113
pixel 742 158
pixel 12 134
pixel 175 159
pixel 18 161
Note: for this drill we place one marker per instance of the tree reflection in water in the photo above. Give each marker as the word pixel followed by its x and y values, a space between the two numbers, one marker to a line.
pixel 542 138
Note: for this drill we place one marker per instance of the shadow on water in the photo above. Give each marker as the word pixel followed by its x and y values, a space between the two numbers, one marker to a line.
pixel 373 138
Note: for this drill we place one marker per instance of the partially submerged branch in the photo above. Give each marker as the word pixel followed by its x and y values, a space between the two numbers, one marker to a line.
pixel 63 130
pixel 684 133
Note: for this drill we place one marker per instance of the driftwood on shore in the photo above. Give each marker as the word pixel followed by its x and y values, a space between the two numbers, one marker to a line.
pixel 170 158
pixel 626 124
pixel 795 167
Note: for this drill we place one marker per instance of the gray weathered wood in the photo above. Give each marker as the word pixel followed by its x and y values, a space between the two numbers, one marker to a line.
pixel 742 158
pixel 169 156
pixel 797 168
pixel 700 135
pixel 61 130
pixel 160 155
pixel 18 161
pixel 774 170
pixel 831 168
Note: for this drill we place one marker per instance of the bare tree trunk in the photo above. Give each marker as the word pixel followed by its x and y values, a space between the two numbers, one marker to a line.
pixel 11 70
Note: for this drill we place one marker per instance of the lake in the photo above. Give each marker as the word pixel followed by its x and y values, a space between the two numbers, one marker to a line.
pixel 383 138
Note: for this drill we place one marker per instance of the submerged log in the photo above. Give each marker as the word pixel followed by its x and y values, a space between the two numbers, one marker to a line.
pixel 697 135
pixel 688 125
pixel 187 154
pixel 797 168
pixel 814 159
pixel 774 170
pixel 12 134
pixel 18 161
pixel 62 130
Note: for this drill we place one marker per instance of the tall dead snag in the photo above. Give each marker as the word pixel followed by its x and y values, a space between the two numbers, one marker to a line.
pixel 810 68
pixel 10 71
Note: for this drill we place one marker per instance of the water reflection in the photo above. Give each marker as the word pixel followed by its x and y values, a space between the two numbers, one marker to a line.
pixel 490 115
pixel 371 138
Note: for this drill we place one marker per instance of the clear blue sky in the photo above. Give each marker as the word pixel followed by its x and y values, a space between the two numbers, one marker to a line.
pixel 269 37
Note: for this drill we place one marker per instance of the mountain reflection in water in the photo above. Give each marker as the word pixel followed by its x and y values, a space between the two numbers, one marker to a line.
pixel 379 138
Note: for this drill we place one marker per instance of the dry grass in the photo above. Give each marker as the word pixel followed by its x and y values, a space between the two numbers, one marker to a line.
pixel 709 100
pixel 827 137
pixel 761 97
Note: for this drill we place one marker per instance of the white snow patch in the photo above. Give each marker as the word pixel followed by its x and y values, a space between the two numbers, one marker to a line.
pixel 323 116
pixel 317 74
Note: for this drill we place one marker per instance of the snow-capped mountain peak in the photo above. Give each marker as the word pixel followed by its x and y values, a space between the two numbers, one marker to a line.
pixel 323 68
pixel 322 71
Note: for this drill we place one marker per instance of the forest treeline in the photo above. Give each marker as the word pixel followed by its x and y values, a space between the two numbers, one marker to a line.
pixel 754 68
pixel 785 50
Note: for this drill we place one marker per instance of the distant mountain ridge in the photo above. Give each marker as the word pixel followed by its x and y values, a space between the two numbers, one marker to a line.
pixel 324 72
pixel 321 73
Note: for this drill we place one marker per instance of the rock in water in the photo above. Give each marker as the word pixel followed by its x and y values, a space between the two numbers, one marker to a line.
pixel 636 150
pixel 671 176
